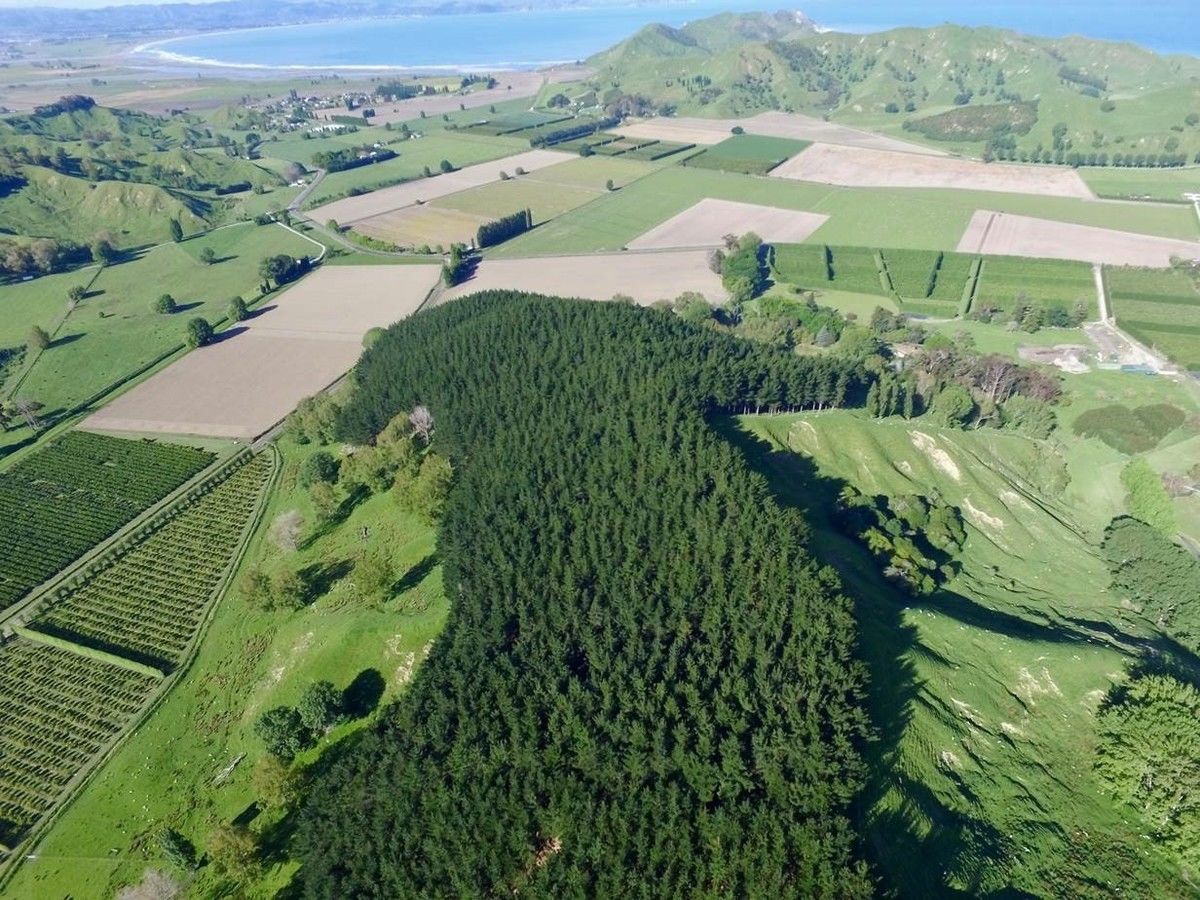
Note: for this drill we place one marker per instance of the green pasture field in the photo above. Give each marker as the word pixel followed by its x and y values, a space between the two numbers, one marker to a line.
pixel 1007 280
pixel 911 272
pixel 505 123
pixel 551 191
pixel 855 269
pixel 920 219
pixel 952 277
pixel 656 151
pixel 1143 184
pixel 113 331
pixel 988 689
pixel 414 155
pixel 749 154
pixel 249 661
pixel 1159 307
pixel 807 265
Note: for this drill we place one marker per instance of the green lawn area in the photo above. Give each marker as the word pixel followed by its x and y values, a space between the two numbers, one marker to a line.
pixel 750 154
pixel 1159 307
pixel 987 691
pixel 918 219
pixel 460 148
pixel 113 331
pixel 250 661
pixel 1147 184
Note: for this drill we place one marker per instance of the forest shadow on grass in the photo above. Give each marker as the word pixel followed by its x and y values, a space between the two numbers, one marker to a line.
pixel 895 810
pixel 884 643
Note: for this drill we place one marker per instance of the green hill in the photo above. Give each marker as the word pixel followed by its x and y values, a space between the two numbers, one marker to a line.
pixel 119 171
pixel 1113 97
pixel 59 206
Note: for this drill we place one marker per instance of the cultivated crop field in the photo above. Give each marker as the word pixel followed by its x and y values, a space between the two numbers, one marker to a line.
pixel 114 331
pixel 1142 184
pixel 57 710
pixel 413 157
pixel 1005 281
pixel 882 217
pixel 70 495
pixel 63 701
pixel 147 604
pixel 307 337
pixel 749 154
pixel 1159 307
pixel 858 167
pixel 1003 234
pixel 791 126
pixel 853 269
pixel 709 221
pixel 354 209
pixel 548 192
pixel 417 226
pixel 646 277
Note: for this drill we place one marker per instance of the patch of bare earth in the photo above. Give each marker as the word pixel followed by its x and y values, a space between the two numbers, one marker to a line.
pixel 254 375
pixel 694 130
pixel 1004 234
pixel 869 167
pixel 646 277
pixel 706 223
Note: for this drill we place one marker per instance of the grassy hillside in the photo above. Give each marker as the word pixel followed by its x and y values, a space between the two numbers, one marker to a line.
pixel 987 692
pixel 61 206
pixel 118 171
pixel 1114 98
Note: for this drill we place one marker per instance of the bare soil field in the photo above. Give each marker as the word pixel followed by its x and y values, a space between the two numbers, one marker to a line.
pixel 1003 234
pixel 418 225
pixel 256 373
pixel 355 209
pixel 860 167
pixel 646 277
pixel 706 223
pixel 692 130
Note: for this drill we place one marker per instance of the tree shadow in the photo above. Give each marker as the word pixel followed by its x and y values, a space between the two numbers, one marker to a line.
pixel 247 815
pixel 66 339
pixel 222 336
pixel 185 307
pixel 416 574
pixel 255 313
pixel 362 695
pixel 320 577
pixel 88 295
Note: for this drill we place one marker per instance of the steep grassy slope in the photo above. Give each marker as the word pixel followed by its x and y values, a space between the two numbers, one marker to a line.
pixel 986 693
pixel 60 206
pixel 54 205
pixel 885 79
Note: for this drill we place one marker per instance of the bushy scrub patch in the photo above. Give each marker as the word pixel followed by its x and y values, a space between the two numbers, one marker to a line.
pixel 1154 572
pixel 1149 758
pixel 1130 430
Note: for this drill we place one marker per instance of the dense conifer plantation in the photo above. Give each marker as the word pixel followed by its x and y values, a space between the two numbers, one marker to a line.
pixel 646 686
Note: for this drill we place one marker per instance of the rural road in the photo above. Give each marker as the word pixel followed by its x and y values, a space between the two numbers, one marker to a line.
pixel 303 196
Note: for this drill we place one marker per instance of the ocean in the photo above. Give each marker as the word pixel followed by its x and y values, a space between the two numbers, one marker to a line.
pixel 528 38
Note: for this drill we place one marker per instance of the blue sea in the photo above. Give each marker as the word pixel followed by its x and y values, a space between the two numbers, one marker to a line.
pixel 531 38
